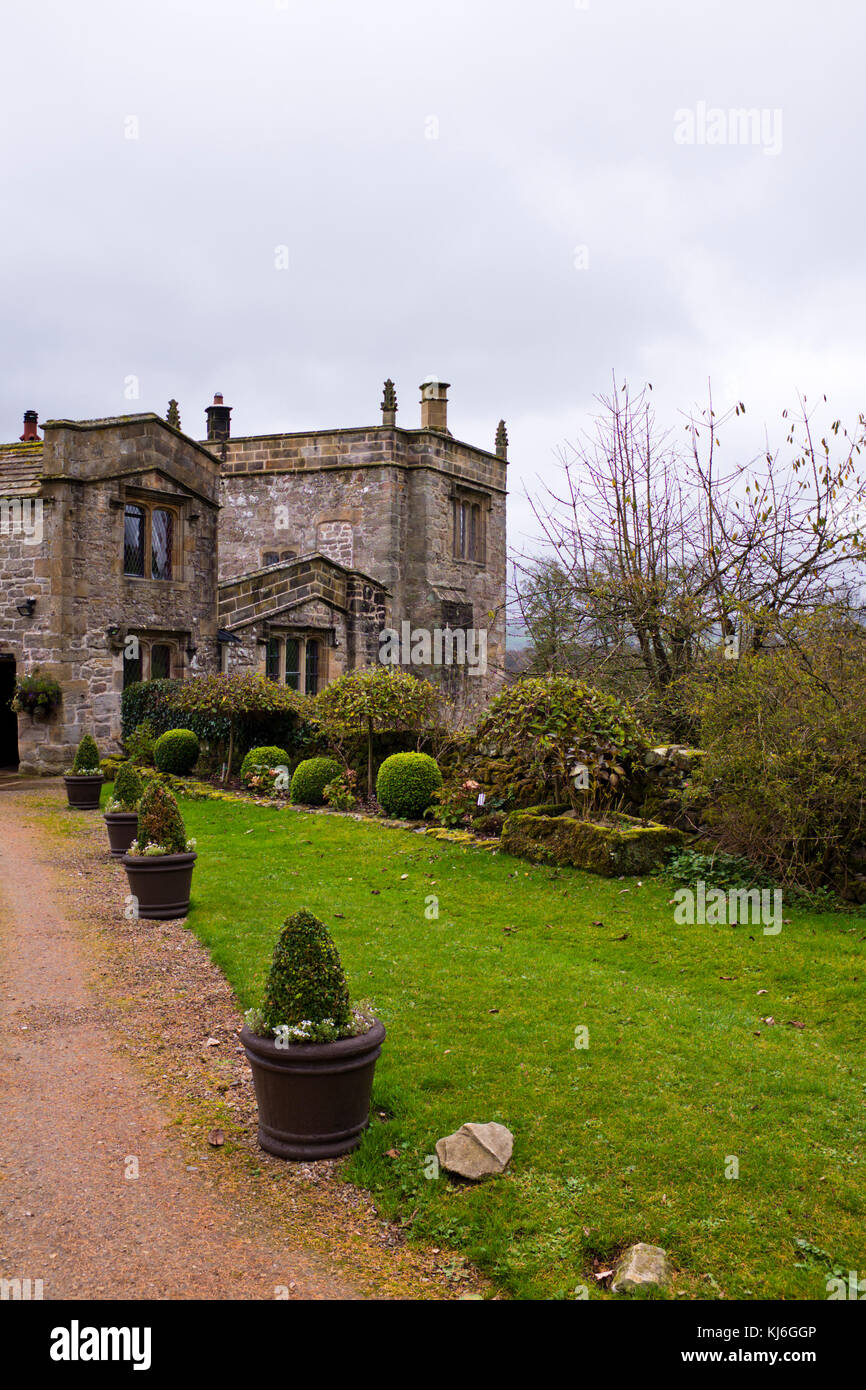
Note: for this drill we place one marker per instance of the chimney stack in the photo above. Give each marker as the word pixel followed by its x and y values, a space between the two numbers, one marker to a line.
pixel 31 420
pixel 434 404
pixel 219 423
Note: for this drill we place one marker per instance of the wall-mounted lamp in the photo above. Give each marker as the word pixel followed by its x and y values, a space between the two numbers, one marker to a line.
pixel 27 608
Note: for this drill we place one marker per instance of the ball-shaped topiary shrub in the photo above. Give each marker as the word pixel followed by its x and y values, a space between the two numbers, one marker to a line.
pixel 86 757
pixel 311 778
pixel 128 787
pixel 406 783
pixel 306 982
pixel 159 820
pixel 176 751
pixel 267 756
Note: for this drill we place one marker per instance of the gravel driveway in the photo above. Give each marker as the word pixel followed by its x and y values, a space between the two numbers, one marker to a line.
pixel 118 1060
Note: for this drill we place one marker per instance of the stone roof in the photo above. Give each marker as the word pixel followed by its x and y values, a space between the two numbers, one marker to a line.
pixel 20 469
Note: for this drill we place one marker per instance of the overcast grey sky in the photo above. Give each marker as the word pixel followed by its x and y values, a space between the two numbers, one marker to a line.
pixel 493 192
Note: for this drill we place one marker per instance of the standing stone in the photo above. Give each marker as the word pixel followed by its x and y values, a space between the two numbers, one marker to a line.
pixel 641 1264
pixel 476 1151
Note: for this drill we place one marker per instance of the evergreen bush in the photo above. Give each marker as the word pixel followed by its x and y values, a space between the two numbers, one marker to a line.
pixel 266 756
pixel 406 783
pixel 86 762
pixel 159 821
pixel 128 788
pixel 310 779
pixel 306 982
pixel 176 751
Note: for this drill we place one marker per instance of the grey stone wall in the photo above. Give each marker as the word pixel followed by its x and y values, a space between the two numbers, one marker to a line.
pixel 89 470
pixel 379 500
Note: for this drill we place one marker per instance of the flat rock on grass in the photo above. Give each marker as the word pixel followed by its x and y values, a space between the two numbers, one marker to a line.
pixel 476 1151
pixel 641 1264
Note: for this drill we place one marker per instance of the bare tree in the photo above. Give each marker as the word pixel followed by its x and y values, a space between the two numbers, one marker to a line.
pixel 655 552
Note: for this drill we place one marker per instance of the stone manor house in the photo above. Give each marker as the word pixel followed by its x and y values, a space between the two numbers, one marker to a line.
pixel 283 553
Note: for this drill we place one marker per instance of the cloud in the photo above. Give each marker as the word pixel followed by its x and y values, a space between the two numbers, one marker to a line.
pixel 491 192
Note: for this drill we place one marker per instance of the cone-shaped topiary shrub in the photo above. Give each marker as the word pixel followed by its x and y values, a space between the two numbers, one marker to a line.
pixel 128 788
pixel 176 751
pixel 306 983
pixel 406 783
pixel 86 757
pixel 266 756
pixel 311 778
pixel 159 821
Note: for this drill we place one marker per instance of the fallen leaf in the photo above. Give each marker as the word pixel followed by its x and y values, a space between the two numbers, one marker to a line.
pixel 596 924
pixel 769 1020
pixel 726 977
pixel 603 1274
pixel 392 1153
pixel 624 937
pixel 795 1023
pixel 763 991
pixel 216 1138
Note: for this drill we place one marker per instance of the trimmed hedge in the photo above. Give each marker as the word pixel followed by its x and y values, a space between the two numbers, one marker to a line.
pixel 148 702
pixel 406 783
pixel 266 755
pixel 176 751
pixel 311 778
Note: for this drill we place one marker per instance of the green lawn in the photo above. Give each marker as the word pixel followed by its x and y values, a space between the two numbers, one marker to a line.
pixel 626 1140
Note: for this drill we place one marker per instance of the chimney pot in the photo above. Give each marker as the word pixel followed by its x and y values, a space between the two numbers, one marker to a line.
pixel 31 419
pixel 219 419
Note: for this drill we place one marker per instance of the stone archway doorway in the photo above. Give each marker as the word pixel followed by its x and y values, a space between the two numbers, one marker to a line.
pixel 8 719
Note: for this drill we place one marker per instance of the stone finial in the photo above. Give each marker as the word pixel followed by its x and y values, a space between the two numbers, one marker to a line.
pixel 173 414
pixel 501 440
pixel 389 404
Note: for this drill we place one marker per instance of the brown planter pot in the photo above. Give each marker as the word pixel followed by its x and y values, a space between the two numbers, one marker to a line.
pixel 122 827
pixel 313 1098
pixel 83 793
pixel 161 883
